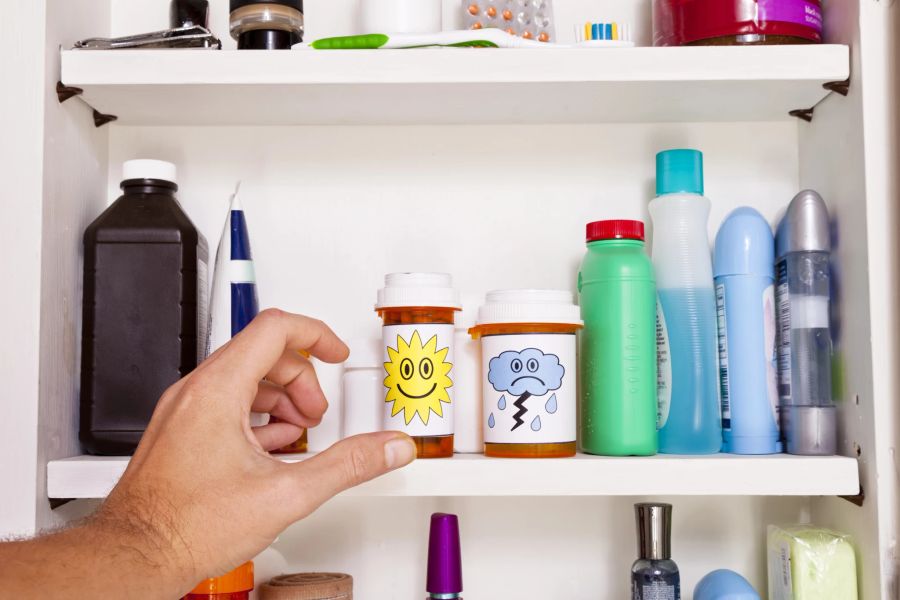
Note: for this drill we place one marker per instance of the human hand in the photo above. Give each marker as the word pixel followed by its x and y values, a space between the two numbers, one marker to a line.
pixel 201 494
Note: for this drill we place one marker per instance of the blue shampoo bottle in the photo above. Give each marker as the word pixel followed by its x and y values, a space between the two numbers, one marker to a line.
pixel 744 273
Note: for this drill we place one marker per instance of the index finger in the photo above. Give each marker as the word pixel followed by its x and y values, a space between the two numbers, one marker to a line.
pixel 254 351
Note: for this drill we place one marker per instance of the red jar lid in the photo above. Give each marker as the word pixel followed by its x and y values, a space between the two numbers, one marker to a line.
pixel 615 230
pixel 680 22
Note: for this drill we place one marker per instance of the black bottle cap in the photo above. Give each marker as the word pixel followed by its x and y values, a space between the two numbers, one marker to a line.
pixel 267 39
pixel 236 4
pixel 188 13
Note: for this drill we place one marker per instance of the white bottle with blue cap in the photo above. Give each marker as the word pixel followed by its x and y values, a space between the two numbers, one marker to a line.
pixel 689 419
pixel 744 270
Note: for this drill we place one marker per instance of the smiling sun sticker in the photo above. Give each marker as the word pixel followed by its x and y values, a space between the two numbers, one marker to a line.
pixel 417 378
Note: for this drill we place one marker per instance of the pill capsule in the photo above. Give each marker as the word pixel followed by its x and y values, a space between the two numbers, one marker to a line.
pixel 527 35
pixel 544 37
pixel 491 12
pixel 510 31
pixel 507 15
pixel 477 25
pixel 473 9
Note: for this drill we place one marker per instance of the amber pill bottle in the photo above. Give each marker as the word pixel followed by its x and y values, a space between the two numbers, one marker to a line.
pixel 529 379
pixel 235 585
pixel 417 312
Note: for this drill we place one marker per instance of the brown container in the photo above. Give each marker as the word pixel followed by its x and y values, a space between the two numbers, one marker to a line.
pixel 308 586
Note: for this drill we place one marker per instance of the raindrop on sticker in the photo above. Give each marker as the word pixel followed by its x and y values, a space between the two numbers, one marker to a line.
pixel 491 421
pixel 501 404
pixel 536 424
pixel 551 405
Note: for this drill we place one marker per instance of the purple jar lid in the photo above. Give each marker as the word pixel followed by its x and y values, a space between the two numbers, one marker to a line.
pixel 444 557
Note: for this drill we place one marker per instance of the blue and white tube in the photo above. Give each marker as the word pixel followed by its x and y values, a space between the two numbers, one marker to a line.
pixel 745 299
pixel 234 298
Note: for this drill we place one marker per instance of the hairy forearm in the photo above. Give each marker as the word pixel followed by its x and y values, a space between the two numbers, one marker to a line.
pixel 103 557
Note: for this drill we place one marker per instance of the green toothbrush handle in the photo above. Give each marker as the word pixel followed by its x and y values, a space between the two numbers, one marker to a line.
pixel 371 41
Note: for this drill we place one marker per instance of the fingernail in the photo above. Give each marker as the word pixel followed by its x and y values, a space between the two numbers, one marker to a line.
pixel 399 452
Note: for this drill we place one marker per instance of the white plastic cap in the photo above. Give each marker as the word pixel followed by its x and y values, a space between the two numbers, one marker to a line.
pixel 145 168
pixel 468 316
pixel 530 306
pixel 365 354
pixel 434 290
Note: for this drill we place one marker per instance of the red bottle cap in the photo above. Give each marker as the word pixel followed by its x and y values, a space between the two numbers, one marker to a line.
pixel 615 230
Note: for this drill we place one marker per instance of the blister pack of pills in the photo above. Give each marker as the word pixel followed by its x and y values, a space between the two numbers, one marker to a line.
pixel 529 19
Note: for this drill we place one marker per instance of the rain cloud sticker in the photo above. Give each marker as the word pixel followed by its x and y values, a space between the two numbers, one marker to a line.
pixel 529 371
pixel 525 374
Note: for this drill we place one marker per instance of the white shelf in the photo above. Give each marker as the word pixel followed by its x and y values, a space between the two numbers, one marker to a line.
pixel 452 86
pixel 476 475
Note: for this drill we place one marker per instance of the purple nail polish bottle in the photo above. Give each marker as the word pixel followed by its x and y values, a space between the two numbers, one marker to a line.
pixel 444 559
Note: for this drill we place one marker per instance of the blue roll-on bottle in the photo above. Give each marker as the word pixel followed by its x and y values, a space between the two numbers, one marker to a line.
pixel 744 274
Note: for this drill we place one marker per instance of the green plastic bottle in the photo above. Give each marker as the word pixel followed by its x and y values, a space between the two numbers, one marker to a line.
pixel 618 404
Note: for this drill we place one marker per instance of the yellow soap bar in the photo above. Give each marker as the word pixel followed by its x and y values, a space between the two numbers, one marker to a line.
pixel 810 563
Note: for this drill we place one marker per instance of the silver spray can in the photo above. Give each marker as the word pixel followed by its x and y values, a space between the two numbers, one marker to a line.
pixel 803 284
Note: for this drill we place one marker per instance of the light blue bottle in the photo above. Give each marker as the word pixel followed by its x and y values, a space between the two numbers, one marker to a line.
pixel 689 418
pixel 724 585
pixel 744 270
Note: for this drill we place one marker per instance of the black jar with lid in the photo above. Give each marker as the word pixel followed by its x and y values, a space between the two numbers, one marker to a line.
pixel 267 24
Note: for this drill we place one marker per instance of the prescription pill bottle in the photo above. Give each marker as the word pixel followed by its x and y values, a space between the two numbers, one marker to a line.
pixel 362 387
pixel 418 310
pixel 529 381
pixel 235 585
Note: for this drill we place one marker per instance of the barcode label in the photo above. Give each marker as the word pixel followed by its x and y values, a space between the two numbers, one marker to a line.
pixel 723 356
pixel 663 368
pixel 783 341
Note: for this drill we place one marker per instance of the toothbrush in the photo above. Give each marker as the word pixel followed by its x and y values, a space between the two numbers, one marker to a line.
pixel 603 35
pixel 466 38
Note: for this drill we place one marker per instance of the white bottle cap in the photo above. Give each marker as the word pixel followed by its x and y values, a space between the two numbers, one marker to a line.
pixel 530 306
pixel 365 354
pixel 432 290
pixel 149 169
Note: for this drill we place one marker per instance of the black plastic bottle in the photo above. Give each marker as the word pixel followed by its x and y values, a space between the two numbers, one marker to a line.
pixel 145 307
pixel 654 575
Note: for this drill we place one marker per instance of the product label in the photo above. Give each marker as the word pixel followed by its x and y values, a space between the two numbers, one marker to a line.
pixel 799 12
pixel 664 368
pixel 529 388
pixel 770 333
pixel 724 388
pixel 655 590
pixel 202 311
pixel 781 586
pixel 418 364
pixel 783 332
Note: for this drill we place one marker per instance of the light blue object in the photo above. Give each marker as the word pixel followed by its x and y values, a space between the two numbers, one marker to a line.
pixel 744 273
pixel 724 585
pixel 689 417
pixel 692 426
pixel 679 172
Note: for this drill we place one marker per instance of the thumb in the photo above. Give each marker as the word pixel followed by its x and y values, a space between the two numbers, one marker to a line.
pixel 347 464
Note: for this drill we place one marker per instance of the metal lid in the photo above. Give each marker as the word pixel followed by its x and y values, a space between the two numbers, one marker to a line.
pixel 654 530
pixel 804 227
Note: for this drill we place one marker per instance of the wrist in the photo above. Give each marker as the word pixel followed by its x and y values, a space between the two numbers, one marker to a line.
pixel 143 537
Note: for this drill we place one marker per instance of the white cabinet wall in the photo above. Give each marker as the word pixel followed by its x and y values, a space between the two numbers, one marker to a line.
pixel 334 203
